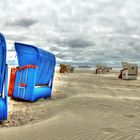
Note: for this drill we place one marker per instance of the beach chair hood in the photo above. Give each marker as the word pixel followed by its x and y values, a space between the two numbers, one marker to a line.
pixel 3 80
pixel 31 55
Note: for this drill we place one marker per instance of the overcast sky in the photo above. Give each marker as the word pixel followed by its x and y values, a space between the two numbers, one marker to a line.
pixel 76 31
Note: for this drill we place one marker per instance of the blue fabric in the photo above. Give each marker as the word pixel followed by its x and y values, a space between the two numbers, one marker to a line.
pixel 3 79
pixel 25 93
pixel 2 60
pixel 43 59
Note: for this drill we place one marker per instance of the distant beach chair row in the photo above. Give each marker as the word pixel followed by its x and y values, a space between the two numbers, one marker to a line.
pixel 102 69
pixel 31 80
pixel 129 70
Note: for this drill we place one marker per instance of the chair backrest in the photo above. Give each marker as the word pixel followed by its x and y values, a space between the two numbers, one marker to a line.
pixel 2 60
pixel 100 66
pixel 70 68
pixel 63 65
pixel 124 64
pixel 28 54
pixel 132 68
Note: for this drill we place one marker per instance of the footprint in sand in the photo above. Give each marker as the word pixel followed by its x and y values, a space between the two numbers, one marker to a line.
pixel 129 115
pixel 109 129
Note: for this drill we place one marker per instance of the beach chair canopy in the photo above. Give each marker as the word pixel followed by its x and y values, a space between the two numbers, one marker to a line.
pixel 100 66
pixel 2 60
pixel 44 60
pixel 3 80
pixel 103 66
pixel 126 65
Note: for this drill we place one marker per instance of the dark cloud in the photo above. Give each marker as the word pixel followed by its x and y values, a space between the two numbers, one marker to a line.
pixel 73 43
pixel 23 22
pixel 79 43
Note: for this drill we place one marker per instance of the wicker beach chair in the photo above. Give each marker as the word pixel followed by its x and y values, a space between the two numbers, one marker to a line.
pixel 129 71
pixel 34 77
pixel 102 69
pixel 63 68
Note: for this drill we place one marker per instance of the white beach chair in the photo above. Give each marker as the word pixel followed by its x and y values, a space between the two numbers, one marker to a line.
pixel 129 71
pixel 102 69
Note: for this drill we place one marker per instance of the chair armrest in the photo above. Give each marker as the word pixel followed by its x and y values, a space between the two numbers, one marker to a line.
pixel 27 66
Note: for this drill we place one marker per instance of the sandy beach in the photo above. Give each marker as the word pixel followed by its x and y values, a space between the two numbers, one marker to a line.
pixel 84 106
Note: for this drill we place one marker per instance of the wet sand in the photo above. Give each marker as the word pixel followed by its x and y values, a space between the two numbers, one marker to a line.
pixel 84 106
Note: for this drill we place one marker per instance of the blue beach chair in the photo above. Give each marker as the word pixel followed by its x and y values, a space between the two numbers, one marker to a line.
pixel 3 80
pixel 34 77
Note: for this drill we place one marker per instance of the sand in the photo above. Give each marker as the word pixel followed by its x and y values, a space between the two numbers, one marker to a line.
pixel 84 106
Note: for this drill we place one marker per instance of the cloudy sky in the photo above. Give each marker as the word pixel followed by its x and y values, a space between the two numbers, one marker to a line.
pixel 80 32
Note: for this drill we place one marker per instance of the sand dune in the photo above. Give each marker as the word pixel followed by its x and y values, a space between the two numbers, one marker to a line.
pixel 84 106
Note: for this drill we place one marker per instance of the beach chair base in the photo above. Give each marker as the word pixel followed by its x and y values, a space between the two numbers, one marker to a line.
pixel 25 87
pixel 3 112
